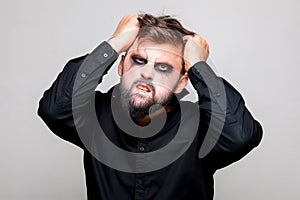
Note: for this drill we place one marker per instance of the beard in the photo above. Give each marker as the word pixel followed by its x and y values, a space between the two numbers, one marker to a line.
pixel 139 104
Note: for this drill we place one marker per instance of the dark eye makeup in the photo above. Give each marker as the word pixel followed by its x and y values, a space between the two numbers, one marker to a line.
pixel 161 67
pixel 139 60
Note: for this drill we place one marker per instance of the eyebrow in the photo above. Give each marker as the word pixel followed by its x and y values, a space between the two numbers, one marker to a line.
pixel 143 55
pixel 169 64
pixel 140 53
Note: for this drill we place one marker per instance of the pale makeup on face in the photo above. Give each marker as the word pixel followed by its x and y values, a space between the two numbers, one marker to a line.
pixel 158 64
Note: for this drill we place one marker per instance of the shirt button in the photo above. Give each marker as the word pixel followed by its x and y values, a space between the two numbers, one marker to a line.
pixel 83 75
pixel 140 181
pixel 217 95
pixel 142 149
pixel 105 55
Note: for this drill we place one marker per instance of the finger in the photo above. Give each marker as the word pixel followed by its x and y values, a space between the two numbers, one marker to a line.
pixel 187 37
pixel 202 42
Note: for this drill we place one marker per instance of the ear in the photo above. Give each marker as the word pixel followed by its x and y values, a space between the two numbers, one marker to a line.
pixel 120 66
pixel 181 83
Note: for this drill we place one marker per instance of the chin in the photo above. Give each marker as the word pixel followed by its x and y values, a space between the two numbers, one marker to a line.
pixel 138 100
pixel 140 105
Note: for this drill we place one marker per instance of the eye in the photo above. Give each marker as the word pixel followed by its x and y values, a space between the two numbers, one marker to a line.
pixel 138 60
pixel 163 68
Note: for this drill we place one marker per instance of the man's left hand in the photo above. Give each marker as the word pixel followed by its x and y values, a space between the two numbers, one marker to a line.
pixel 196 49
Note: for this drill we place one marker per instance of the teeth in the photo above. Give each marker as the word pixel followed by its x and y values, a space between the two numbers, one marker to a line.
pixel 142 88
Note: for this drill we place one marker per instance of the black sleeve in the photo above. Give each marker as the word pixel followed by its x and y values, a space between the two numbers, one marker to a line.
pixel 79 79
pixel 230 130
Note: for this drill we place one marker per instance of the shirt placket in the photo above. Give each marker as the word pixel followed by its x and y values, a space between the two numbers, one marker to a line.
pixel 140 178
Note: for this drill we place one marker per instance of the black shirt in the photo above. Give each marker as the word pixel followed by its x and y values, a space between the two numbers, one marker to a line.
pixel 71 105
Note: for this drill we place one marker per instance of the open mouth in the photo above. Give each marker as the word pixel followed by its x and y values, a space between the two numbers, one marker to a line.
pixel 144 87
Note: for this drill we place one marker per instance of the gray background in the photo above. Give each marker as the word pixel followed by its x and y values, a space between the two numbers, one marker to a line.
pixel 254 45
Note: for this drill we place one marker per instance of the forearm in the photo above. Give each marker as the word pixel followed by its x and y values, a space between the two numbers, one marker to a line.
pixel 232 131
pixel 91 73
pixel 78 79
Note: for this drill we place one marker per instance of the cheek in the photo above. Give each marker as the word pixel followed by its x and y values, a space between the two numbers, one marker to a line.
pixel 129 77
pixel 163 91
pixel 162 95
pixel 166 82
pixel 129 66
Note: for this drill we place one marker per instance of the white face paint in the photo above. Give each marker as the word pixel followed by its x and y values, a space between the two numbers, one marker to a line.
pixel 150 73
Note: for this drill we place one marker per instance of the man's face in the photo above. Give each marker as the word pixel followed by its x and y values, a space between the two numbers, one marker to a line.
pixel 150 73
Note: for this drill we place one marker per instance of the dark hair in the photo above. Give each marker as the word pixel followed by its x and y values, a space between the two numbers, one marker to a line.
pixel 162 29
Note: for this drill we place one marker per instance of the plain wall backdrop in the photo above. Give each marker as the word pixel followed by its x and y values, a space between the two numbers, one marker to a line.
pixel 254 45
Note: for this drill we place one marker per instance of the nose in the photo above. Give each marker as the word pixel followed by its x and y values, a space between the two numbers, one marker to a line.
pixel 147 71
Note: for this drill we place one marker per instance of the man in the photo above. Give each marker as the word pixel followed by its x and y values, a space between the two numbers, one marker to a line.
pixel 128 152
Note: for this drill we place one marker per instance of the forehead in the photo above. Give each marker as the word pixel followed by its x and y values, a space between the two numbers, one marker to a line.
pixel 157 52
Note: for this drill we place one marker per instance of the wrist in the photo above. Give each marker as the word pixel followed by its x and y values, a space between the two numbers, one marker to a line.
pixel 115 45
pixel 190 63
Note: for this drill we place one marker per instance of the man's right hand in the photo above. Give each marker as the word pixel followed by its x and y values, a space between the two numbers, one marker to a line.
pixel 125 33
